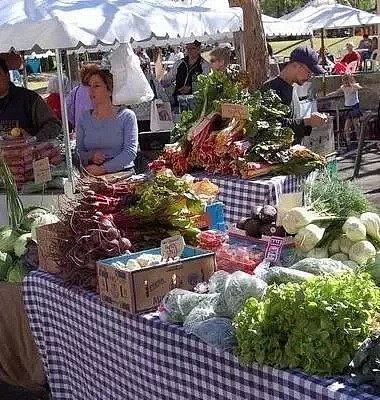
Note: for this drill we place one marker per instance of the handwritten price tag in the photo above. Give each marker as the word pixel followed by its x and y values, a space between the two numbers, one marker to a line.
pixel 172 247
pixel 41 170
pixel 237 111
pixel 274 248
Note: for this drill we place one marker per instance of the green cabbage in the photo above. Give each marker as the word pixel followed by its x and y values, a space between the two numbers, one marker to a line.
pixel 17 273
pixel 20 244
pixel 7 238
pixel 5 264
pixel 30 215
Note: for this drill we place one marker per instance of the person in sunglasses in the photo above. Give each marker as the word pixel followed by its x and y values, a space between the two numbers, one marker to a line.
pixel 303 64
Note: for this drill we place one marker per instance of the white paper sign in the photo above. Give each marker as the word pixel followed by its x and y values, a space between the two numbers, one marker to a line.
pixel 41 170
pixel 172 247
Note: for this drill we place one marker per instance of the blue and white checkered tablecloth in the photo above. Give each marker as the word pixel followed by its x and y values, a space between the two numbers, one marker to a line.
pixel 92 352
pixel 239 196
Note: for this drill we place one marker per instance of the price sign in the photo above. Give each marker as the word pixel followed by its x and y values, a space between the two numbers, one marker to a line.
pixel 237 111
pixel 41 170
pixel 274 248
pixel 172 247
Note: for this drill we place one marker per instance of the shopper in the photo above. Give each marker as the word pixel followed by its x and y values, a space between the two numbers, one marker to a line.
pixel 352 56
pixel 176 54
pixel 78 99
pixel 24 108
pixel 53 99
pixel 184 72
pixel 106 135
pixel 220 58
pixel 301 67
pixel 350 88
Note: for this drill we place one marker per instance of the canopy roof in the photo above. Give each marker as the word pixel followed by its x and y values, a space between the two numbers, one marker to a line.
pixel 272 26
pixel 327 14
pixel 50 24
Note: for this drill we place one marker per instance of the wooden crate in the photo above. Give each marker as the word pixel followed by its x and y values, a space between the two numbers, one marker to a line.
pixel 142 290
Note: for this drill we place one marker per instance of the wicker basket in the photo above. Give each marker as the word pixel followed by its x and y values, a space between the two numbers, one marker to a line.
pixel 47 236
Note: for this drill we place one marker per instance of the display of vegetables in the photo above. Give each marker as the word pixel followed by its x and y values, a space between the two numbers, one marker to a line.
pixel 341 239
pixel 249 146
pixel 316 325
pixel 15 238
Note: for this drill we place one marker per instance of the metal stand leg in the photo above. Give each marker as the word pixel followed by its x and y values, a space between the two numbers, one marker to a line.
pixel 358 159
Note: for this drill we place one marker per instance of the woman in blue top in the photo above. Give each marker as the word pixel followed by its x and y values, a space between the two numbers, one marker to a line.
pixel 106 136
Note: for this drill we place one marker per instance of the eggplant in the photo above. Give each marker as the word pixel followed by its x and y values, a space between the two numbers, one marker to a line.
pixel 268 214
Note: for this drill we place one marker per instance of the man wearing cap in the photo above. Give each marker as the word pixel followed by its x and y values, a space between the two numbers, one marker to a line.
pixel 184 72
pixel 23 108
pixel 302 66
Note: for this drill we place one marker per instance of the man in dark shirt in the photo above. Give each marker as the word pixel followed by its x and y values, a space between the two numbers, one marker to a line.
pixel 23 108
pixel 301 67
pixel 185 71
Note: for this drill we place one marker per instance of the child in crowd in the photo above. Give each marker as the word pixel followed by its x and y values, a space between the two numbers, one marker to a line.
pixel 350 89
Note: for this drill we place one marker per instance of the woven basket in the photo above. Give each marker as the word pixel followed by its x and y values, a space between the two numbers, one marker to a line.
pixel 47 236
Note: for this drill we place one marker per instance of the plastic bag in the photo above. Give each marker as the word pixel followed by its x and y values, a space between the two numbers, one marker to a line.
pixel 161 117
pixel 235 289
pixel 217 332
pixel 205 310
pixel 239 288
pixel 178 303
pixel 130 85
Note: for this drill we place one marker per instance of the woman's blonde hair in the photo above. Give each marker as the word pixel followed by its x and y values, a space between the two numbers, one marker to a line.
pixel 86 70
pixel 348 79
pixel 222 54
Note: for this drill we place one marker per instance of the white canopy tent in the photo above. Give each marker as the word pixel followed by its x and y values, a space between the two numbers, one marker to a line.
pixel 69 23
pixel 273 27
pixel 63 24
pixel 328 14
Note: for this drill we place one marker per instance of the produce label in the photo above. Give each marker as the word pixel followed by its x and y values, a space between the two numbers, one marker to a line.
pixel 274 248
pixel 41 170
pixel 237 111
pixel 286 202
pixel 172 247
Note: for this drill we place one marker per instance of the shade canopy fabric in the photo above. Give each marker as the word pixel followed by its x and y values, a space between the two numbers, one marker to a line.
pixel 272 26
pixel 71 23
pixel 327 14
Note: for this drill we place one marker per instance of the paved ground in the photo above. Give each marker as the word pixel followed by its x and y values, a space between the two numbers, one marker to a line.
pixel 369 173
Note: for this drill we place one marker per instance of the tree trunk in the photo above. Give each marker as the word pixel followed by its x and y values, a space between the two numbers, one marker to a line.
pixel 256 55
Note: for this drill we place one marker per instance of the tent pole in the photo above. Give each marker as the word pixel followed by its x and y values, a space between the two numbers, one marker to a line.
pixel 69 187
pixel 311 38
pixel 24 71
pixel 323 60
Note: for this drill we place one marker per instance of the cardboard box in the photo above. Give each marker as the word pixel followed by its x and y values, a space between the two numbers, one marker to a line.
pixel 142 290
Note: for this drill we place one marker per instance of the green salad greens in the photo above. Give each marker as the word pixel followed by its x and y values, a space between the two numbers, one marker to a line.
pixel 316 325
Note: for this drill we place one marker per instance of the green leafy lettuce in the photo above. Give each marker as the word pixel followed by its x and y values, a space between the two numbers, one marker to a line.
pixel 317 325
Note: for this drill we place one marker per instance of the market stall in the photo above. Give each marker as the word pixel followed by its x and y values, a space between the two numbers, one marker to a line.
pixel 238 195
pixel 93 351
